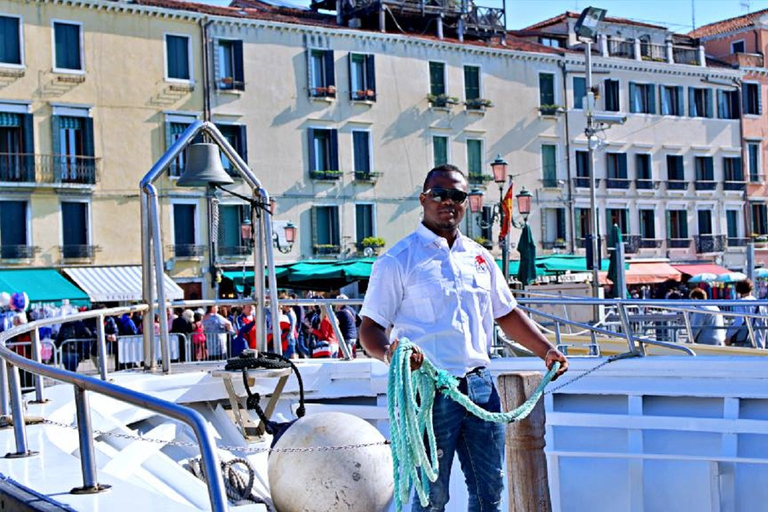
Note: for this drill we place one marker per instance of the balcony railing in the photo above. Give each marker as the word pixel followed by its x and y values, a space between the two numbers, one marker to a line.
pixel 650 243
pixel 326 249
pixel 52 170
pixel 234 250
pixel 625 49
pixel 677 185
pixel 323 92
pixel 17 252
pixel 330 175
pixel 653 51
pixel 678 243
pixel 644 184
pixel 737 242
pixel 363 95
pixel 734 185
pixel 77 252
pixel 705 185
pixel 583 182
pixel 369 176
pixel 617 183
pixel 557 244
pixel 485 18
pixel 187 250
pixel 709 243
pixel 682 55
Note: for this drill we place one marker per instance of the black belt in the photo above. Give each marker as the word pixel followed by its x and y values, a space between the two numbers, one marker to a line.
pixel 473 371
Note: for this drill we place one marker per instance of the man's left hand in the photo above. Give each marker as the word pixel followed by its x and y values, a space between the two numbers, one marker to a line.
pixel 553 355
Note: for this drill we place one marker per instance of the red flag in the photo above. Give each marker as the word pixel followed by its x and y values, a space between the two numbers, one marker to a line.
pixel 506 212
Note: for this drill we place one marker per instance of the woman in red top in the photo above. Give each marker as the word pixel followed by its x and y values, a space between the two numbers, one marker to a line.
pixel 327 345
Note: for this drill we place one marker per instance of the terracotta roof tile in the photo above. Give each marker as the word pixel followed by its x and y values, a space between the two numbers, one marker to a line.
pixel 729 25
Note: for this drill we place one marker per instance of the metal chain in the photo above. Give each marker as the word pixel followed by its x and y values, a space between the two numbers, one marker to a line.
pixel 579 377
pixel 135 437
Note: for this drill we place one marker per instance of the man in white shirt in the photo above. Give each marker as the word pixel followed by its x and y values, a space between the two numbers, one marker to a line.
pixel 443 291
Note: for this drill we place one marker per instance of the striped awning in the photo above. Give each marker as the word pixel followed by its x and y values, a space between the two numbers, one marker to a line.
pixel 118 284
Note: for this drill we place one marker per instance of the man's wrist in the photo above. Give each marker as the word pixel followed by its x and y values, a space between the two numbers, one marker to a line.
pixel 387 354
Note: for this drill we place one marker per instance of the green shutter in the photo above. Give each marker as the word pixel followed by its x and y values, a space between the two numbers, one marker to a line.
pixel 436 78
pixel 546 89
pixel 311 150
pixel 471 82
pixel 370 72
pixel 334 151
pixel 330 78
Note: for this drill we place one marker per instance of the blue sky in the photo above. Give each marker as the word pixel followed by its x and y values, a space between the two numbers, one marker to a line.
pixel 678 15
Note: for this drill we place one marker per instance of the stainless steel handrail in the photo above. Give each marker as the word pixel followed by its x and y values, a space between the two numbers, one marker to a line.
pixel 82 383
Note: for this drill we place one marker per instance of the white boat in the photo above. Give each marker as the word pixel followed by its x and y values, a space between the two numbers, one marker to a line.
pixel 685 431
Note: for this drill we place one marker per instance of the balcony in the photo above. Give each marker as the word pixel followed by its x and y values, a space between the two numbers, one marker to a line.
pixel 678 243
pixel 734 185
pixel 748 60
pixel 737 242
pixel 48 170
pixel 369 176
pixel 583 182
pixel 326 249
pixel 709 243
pixel 17 252
pixel 187 250
pixel 650 243
pixel 230 251
pixel 705 185
pixel 77 252
pixel 363 95
pixel 677 185
pixel 617 183
pixel 624 49
pixel 330 175
pixel 644 184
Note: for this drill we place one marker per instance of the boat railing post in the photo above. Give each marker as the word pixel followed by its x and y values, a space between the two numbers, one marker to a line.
pixel 101 341
pixel 17 408
pixel 624 318
pixel 37 356
pixel 4 387
pixel 87 452
pixel 345 350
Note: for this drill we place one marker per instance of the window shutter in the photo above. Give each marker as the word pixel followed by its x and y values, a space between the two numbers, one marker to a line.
pixel 651 99
pixel 313 218
pixel 311 150
pixel 708 103
pixel 55 129
pixel 242 142
pixel 745 97
pixel 88 143
pixel 310 73
pixel 350 65
pixel 561 223
pixel 664 99
pixel 680 100
pixel 334 150
pixel 709 165
pixel 436 78
pixel 330 79
pixel 669 224
pixel 735 104
pixel 28 146
pixel 738 170
pixel 692 111
pixel 720 104
pixel 683 225
pixel 370 72
pixel 759 94
pixel 622 165
pixel 635 102
pixel 237 51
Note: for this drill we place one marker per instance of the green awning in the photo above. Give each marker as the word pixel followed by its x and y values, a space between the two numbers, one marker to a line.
pixel 313 274
pixel 239 276
pixel 43 286
pixel 556 264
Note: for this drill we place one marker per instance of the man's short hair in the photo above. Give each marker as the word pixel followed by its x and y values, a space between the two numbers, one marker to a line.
pixel 439 169
pixel 744 287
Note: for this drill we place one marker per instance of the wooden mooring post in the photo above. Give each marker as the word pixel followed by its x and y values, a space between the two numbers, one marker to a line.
pixel 526 463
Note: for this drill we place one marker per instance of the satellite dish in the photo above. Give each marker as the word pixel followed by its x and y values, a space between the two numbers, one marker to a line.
pixel 368 252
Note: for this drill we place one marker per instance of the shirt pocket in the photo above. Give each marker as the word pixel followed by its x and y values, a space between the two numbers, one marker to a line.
pixel 424 302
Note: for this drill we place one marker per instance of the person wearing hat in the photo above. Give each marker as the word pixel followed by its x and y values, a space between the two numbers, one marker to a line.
pixel 346 317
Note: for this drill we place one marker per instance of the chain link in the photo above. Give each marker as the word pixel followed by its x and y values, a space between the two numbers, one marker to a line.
pixel 579 377
pixel 135 437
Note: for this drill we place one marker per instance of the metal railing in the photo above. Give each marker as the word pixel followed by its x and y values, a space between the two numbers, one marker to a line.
pixel 77 251
pixel 710 243
pixel 41 169
pixel 17 252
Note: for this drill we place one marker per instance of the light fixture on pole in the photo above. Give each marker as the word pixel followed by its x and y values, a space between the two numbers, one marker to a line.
pixel 289 232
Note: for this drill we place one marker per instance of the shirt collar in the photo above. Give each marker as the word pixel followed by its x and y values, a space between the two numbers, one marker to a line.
pixel 427 236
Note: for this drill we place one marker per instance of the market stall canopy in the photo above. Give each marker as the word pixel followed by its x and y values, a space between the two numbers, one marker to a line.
pixel 312 274
pixel 641 272
pixel 701 268
pixel 117 284
pixel 42 286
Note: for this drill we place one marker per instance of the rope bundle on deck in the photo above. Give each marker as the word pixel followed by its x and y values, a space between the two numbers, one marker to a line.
pixel 411 398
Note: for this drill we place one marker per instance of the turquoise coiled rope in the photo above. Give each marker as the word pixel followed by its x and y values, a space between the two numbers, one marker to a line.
pixel 411 421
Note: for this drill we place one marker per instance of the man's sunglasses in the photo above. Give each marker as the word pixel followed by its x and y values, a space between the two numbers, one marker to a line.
pixel 439 195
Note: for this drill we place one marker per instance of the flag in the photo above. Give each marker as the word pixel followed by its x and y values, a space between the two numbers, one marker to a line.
pixel 506 212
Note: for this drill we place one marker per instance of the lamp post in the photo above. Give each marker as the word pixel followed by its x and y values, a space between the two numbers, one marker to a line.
pixel 289 231
pixel 499 167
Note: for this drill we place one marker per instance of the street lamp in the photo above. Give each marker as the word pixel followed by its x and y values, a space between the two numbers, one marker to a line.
pixel 246 233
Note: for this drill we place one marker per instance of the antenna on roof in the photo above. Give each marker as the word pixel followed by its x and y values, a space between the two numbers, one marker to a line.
pixel 745 5
pixel 693 14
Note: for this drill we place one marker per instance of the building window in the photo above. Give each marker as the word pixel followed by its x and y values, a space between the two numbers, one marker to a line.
pixel 738 47
pixel 322 81
pixel 17 146
pixel 583 221
pixel 230 75
pixel 752 101
pixel 616 170
pixel 361 149
pixel 174 127
pixel 487 218
pixel 73 149
pixel 184 232
pixel 13 230
pixel 647 224
pixel 177 57
pixel 704 218
pixel 549 165
pixel 643 171
pixel 231 242
pixel 619 217
pixel 362 77
pixel 732 225
pixel 546 89
pixel 700 102
pixel 732 170
pixel 554 227
pixel 325 230
pixel 582 169
pixel 677 228
pixel 439 150
pixel 471 82
pixel 436 78
pixel 236 135
pixel 74 228
pixel 759 219
pixel 753 157
pixel 727 104
pixel 10 41
pixel 551 42
pixel 676 173
pixel 474 157
pixel 324 153
pixel 642 98
pixel 67 46
pixel 364 222
pixel 612 94
pixel 579 92
pixel 671 100
pixel 705 172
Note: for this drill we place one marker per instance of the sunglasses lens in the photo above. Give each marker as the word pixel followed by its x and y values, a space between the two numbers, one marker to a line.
pixel 441 194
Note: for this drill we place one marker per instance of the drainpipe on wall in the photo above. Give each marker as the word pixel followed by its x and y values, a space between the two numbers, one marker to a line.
pixel 569 203
pixel 204 24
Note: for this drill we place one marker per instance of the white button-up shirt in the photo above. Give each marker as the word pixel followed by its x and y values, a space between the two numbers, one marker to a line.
pixel 443 299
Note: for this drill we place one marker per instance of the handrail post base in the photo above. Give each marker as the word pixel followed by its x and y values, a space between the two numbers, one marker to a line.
pixel 94 489
pixel 28 453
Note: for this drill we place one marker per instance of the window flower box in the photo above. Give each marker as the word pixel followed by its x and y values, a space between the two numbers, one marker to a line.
pixel 550 110
pixel 478 104
pixel 323 92
pixel 328 175
pixel 442 100
pixel 326 249
pixel 364 95
pixel 367 176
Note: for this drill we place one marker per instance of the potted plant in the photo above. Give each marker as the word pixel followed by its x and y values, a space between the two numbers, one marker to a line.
pixel 550 109
pixel 374 242
pixel 478 104
pixel 331 90
pixel 370 93
pixel 442 100
pixel 488 244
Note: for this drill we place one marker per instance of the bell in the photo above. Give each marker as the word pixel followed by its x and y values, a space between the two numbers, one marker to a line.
pixel 203 167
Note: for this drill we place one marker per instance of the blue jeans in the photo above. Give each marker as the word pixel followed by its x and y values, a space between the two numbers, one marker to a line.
pixel 478 443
